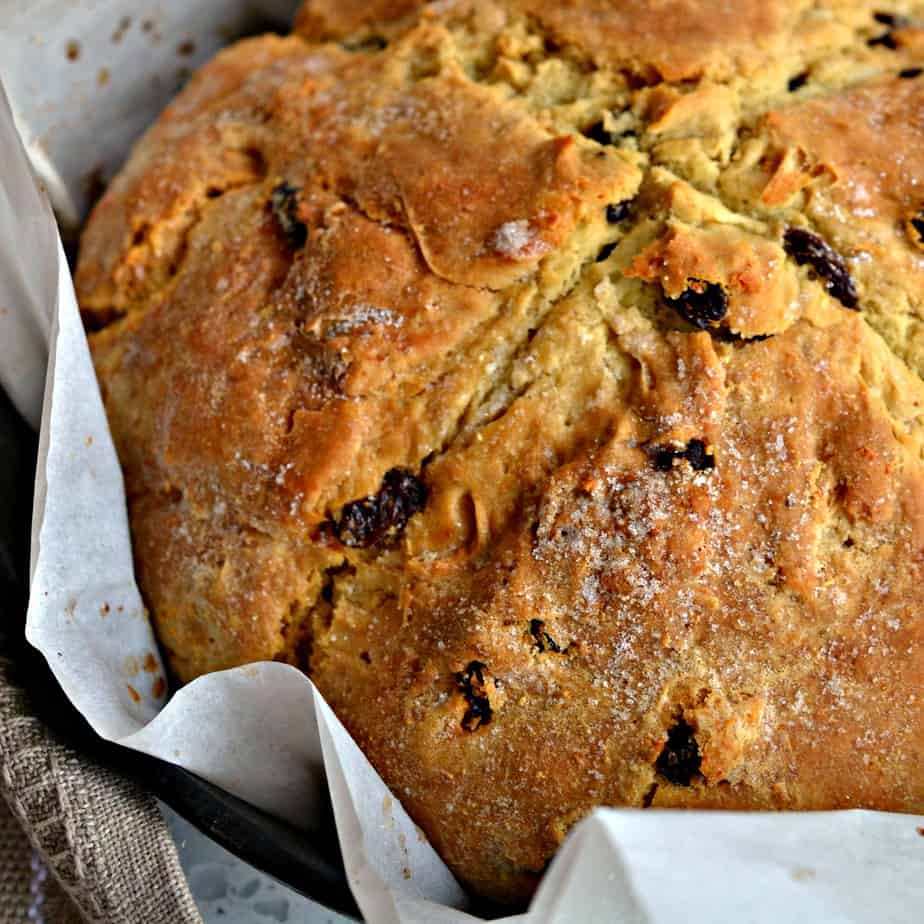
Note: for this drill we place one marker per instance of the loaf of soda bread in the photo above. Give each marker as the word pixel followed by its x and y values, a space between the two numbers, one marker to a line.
pixel 545 380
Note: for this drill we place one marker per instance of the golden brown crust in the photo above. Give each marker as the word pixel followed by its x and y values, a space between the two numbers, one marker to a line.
pixel 366 20
pixel 633 303
pixel 670 39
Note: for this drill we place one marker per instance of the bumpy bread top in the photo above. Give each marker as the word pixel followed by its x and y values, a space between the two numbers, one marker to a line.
pixel 545 379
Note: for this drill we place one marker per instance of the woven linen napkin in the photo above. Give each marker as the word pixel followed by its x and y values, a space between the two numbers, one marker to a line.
pixel 27 893
pixel 77 837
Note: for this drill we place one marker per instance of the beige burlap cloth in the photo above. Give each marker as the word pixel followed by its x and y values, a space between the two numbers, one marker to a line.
pixel 77 841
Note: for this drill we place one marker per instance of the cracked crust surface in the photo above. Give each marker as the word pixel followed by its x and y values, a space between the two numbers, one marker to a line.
pixel 583 279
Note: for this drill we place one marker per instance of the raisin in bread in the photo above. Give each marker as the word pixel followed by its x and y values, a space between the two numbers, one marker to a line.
pixel 545 380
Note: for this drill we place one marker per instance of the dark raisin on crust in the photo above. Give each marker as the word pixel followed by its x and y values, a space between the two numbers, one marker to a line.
pixel 598 133
pixel 916 226
pixel 617 212
pixel 679 760
pixel 284 203
pixel 729 336
pixel 327 588
pixel 702 303
pixel 663 458
pixel 699 459
pixel 887 40
pixel 472 684
pixel 795 83
pixel 805 247
pixel 605 251
pixel 369 43
pixel 909 73
pixel 695 453
pixel 544 641
pixel 371 520
pixel 892 20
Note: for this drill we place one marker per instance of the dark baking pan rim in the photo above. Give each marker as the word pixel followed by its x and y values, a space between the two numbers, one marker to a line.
pixel 308 862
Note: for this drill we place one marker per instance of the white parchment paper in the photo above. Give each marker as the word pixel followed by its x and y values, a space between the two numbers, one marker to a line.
pixel 263 732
